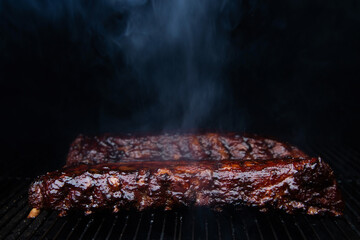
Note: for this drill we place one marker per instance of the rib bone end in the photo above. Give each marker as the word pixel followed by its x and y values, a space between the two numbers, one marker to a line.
pixel 34 213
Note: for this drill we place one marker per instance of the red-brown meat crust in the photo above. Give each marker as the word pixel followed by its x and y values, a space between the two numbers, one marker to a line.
pixel 209 146
pixel 292 185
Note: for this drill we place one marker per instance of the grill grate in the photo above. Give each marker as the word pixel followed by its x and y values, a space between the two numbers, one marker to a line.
pixel 197 223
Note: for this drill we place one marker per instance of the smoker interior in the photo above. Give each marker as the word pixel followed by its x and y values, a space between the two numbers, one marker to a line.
pixel 197 223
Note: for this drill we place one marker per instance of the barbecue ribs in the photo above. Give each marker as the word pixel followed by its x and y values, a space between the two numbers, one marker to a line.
pixel 292 185
pixel 210 146
pixel 171 171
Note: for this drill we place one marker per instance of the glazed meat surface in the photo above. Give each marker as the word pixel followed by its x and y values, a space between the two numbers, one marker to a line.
pixel 210 146
pixel 292 185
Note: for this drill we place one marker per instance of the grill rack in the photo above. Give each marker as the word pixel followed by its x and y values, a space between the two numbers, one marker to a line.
pixel 195 223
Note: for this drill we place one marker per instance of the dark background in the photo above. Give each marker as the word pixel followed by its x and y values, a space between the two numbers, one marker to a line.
pixel 292 74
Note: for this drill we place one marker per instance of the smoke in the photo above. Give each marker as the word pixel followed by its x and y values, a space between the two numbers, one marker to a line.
pixel 155 64
pixel 93 66
pixel 176 51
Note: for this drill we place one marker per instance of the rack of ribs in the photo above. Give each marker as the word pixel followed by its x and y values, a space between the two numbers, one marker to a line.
pixel 174 170
pixel 209 146
pixel 301 185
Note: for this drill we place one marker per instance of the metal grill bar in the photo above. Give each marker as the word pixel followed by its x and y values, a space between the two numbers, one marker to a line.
pixel 256 227
pixel 86 229
pixel 35 225
pixel 124 227
pixel 98 228
pixel 289 227
pixel 50 223
pixel 327 230
pixel 150 226
pixel 73 228
pixel 265 228
pixel 180 228
pixel 342 155
pixel 163 228
pixel 278 229
pixel 348 167
pixel 112 227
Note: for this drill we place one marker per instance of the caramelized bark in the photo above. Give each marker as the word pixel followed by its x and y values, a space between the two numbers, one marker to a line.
pixel 210 146
pixel 292 185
